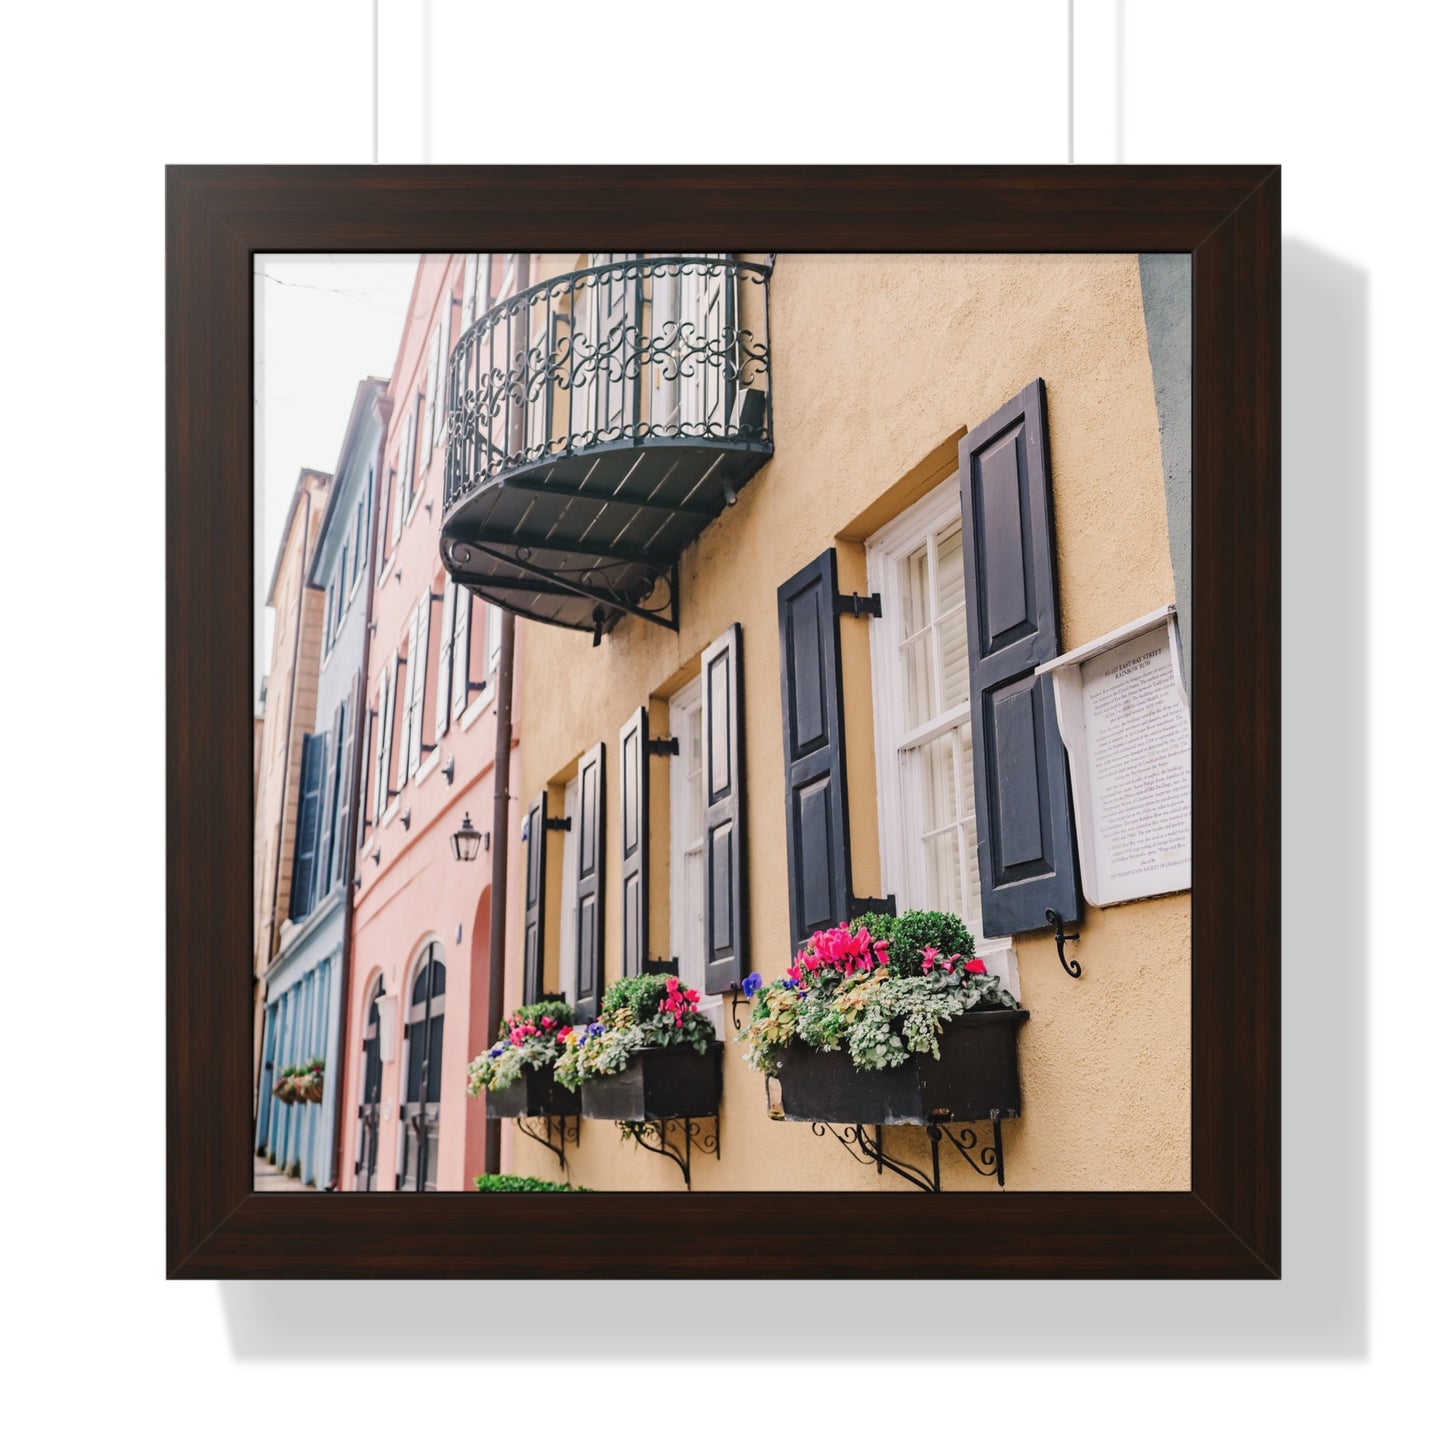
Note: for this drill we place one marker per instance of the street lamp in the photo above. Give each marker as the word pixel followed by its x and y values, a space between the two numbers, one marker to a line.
pixel 466 841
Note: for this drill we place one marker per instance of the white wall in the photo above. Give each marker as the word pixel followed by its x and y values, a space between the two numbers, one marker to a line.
pixel 1345 97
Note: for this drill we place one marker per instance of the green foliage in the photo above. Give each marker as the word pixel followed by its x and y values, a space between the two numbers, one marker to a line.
pixel 649 1011
pixel 910 933
pixel 882 1005
pixel 523 1184
pixel 640 995
pixel 557 1009
pixel 532 1038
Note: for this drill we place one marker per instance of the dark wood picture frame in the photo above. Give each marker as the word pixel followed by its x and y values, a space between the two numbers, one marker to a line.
pixel 1227 1226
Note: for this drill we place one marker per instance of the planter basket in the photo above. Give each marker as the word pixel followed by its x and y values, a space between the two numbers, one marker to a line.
pixel 976 1076
pixel 537 1094
pixel 658 1083
pixel 311 1088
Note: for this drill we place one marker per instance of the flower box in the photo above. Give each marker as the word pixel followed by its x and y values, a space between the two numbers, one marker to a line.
pixel 674 1082
pixel 537 1094
pixel 976 1076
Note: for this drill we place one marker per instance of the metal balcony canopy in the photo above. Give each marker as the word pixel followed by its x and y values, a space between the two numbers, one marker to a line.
pixel 596 423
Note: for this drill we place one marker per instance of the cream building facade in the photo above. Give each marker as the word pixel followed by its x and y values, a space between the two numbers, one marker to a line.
pixel 879 376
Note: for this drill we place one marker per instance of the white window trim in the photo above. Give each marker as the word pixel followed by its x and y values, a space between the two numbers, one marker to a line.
pixel 884 550
pixel 679 705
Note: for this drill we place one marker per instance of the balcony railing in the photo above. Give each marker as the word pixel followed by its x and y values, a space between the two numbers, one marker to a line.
pixel 555 395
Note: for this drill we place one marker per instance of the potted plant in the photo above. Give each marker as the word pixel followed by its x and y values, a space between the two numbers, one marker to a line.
pixel 888 1021
pixel 649 1055
pixel 518 1072
pixel 302 1083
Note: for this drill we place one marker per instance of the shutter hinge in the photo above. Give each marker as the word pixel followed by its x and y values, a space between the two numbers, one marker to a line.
pixel 659 965
pixel 888 905
pixel 663 747
pixel 856 606
pixel 559 825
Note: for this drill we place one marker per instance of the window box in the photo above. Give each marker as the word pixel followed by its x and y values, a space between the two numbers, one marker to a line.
pixel 674 1082
pixel 536 1095
pixel 976 1076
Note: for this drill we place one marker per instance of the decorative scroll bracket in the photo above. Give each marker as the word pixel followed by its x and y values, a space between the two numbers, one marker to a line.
pixel 865 1150
pixel 564 1127
pixel 1056 922
pixel 653 1135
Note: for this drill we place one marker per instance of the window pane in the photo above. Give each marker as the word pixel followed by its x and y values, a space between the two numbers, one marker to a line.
pixel 920 687
pixel 938 785
pixel 943 872
pixel 918 595
pixel 952 620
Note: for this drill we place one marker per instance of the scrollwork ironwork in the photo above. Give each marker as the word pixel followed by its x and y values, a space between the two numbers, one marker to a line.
pixel 634 351
pixel 556 1133
pixel 653 1135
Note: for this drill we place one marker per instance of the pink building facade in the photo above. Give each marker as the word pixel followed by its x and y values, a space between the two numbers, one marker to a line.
pixel 416 1005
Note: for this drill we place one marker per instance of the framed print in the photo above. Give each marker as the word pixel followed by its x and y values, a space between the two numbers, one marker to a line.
pixel 790 724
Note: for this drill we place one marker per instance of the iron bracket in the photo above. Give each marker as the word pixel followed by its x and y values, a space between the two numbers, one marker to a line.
pixel 737 993
pixel 1056 922
pixel 888 905
pixel 564 1126
pixel 652 1135
pixel 663 747
pixel 558 825
pixel 856 606
pixel 865 1150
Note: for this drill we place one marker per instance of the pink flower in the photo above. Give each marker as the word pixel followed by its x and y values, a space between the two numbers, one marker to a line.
pixel 929 954
pixel 548 1022
pixel 975 965
pixel 564 1032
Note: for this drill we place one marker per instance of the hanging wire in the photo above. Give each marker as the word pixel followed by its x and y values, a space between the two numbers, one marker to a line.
pixel 1071 82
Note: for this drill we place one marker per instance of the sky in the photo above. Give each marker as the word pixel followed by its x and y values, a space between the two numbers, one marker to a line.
pixel 323 323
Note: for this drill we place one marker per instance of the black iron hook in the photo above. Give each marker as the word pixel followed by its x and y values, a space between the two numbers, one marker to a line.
pixel 736 995
pixel 1060 938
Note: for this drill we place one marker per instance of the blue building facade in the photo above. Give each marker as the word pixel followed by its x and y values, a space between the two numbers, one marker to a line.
pixel 305 981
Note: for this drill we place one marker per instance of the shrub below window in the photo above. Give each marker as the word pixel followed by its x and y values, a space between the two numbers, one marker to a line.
pixel 523 1184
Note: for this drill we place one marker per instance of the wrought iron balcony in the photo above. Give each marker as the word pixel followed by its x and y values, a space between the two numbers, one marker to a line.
pixel 596 423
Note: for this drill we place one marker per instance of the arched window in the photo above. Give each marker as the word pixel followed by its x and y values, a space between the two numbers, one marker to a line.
pixel 369 1110
pixel 421 1113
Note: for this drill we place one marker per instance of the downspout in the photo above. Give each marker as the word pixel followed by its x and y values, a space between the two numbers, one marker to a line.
pixel 358 801
pixel 501 830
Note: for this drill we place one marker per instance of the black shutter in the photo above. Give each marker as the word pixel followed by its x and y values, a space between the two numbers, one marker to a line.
pixel 303 876
pixel 535 901
pixel 819 868
pixel 724 789
pixel 632 746
pixel 1026 859
pixel 347 749
pixel 590 834
pixel 330 775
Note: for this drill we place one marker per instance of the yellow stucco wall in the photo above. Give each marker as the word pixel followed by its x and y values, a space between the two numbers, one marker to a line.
pixel 878 365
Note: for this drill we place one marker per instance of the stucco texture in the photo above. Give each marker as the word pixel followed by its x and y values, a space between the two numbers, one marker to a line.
pixel 879 365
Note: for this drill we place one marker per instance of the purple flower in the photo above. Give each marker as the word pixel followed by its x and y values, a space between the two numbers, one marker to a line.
pixel 789 984
pixel 751 984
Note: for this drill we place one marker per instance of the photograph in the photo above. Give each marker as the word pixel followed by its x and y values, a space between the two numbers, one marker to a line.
pixel 722 722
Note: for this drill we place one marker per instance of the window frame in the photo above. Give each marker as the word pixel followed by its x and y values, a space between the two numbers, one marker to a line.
pixel 885 552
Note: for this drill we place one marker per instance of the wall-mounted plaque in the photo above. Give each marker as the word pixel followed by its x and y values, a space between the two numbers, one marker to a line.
pixel 1124 717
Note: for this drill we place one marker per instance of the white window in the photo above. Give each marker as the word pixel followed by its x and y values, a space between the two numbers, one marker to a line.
pixel 686 842
pixel 923 730
pixel 567 940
